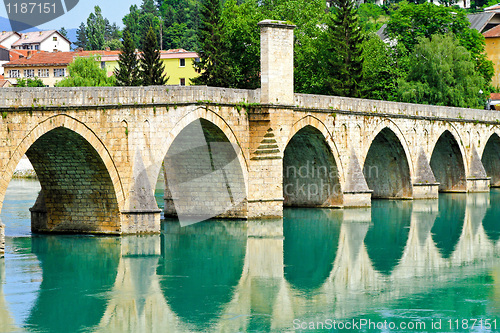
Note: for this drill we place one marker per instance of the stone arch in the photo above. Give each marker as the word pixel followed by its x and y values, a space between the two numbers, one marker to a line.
pixel 448 163
pixel 202 152
pixel 387 166
pixel 211 116
pixel 77 174
pixel 311 175
pixel 491 159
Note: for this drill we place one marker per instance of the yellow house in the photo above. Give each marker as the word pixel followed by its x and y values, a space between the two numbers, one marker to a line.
pixel 492 38
pixel 178 65
pixel 51 67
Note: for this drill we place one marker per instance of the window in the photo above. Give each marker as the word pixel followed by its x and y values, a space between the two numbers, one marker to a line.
pixel 37 47
pixel 29 73
pixel 59 72
pixel 182 62
pixel 182 82
pixel 103 64
pixel 14 73
pixel 43 72
pixel 54 39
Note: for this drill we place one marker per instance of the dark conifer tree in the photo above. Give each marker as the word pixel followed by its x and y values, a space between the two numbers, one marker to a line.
pixel 213 66
pixel 344 39
pixel 152 69
pixel 81 36
pixel 127 73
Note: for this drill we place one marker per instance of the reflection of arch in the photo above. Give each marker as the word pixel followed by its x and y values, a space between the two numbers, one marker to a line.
pixel 63 121
pixel 392 225
pixel 491 159
pixel 449 223
pixel 387 167
pixel 310 173
pixel 308 257
pixel 200 267
pixel 72 268
pixel 448 163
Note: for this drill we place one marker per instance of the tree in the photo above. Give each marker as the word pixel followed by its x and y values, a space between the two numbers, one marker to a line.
pixel 442 73
pixel 128 71
pixel 96 30
pixel 242 41
pixel 81 37
pixel 131 22
pixel 86 72
pixel 152 69
pixel 344 46
pixel 215 70
pixel 379 70
pixel 30 82
pixel 371 16
pixel 63 32
pixel 410 22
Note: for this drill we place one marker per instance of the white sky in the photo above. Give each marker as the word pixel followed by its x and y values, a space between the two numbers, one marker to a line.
pixel 113 10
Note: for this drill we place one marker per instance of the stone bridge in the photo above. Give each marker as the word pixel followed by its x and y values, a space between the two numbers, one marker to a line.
pixel 98 152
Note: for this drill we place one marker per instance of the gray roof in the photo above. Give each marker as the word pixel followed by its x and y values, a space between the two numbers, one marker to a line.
pixel 479 21
pixel 381 32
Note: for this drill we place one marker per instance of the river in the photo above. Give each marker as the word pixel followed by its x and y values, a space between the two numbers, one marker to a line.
pixel 406 266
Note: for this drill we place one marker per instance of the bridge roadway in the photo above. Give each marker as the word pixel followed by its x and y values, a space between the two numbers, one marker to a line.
pixel 98 151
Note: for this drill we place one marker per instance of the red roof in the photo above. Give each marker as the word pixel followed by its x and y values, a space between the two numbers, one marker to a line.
pixel 52 58
pixel 495 96
pixel 493 32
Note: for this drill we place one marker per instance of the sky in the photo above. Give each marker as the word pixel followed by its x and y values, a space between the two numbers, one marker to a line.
pixel 113 10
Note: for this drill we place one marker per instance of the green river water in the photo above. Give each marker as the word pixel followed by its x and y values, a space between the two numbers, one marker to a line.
pixel 401 266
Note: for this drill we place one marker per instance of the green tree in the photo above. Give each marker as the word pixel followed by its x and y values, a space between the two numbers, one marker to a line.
pixel 410 22
pixel 128 71
pixel 215 70
pixel 344 46
pixel 114 44
pixel 371 16
pixel 379 70
pixel 442 73
pixel 152 69
pixel 96 30
pixel 81 37
pixel 63 32
pixel 242 40
pixel 86 72
pixel 30 82
pixel 132 24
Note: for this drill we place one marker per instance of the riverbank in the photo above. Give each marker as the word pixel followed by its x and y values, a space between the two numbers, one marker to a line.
pixel 24 169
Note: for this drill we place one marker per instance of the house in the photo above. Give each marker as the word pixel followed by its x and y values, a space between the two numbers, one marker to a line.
pixel 7 38
pixel 51 67
pixel 492 47
pixel 178 65
pixel 49 41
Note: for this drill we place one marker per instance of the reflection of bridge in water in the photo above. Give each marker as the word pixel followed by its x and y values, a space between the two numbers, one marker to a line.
pixel 226 277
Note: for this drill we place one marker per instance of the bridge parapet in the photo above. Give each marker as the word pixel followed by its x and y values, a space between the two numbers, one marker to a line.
pixel 81 97
pixel 393 109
